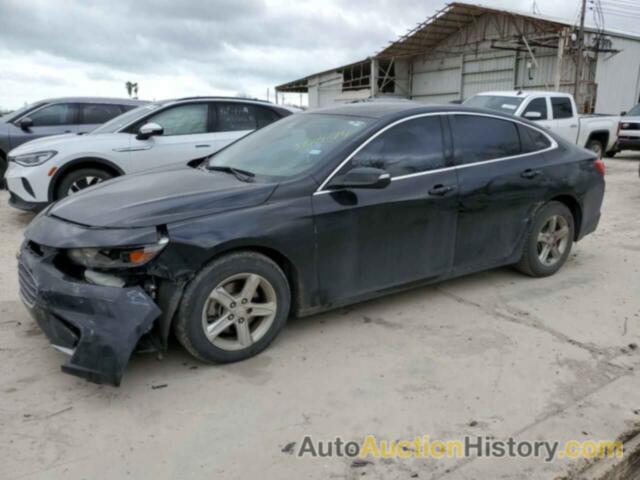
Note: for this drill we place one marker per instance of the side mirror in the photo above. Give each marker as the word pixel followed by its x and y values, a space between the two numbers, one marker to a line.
pixel 149 130
pixel 533 115
pixel 362 177
pixel 25 123
pixel 622 114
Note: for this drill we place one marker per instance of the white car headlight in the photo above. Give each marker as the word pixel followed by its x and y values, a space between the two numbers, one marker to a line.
pixel 34 159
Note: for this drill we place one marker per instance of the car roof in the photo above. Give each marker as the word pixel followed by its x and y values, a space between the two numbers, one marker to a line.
pixel 120 101
pixel 400 109
pixel 521 93
pixel 255 101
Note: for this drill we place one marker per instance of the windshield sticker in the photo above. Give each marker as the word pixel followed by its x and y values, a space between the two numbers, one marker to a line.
pixel 315 152
pixel 508 106
pixel 356 123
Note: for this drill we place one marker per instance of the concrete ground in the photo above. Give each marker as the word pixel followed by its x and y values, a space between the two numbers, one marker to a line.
pixel 496 353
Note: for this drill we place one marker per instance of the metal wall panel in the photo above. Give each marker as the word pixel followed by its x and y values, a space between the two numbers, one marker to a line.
pixel 487 72
pixel 437 81
pixel 618 77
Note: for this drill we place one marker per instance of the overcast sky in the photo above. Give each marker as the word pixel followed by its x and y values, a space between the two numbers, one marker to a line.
pixel 176 48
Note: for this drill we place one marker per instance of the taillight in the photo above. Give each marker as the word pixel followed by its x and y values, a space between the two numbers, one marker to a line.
pixel 599 164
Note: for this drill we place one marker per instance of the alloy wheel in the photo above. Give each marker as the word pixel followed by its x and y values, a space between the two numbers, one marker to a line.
pixel 83 183
pixel 553 240
pixel 239 311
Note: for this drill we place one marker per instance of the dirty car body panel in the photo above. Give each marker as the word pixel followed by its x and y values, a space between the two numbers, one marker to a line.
pixel 442 214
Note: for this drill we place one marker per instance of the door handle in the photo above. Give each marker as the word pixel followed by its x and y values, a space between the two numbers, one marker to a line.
pixel 440 190
pixel 528 173
pixel 202 145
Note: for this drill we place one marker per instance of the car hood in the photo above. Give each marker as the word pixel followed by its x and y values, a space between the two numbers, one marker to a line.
pixel 55 142
pixel 160 197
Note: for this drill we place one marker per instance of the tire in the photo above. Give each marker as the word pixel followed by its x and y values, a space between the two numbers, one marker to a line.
pixel 532 262
pixel 78 178
pixel 596 147
pixel 200 312
pixel 3 170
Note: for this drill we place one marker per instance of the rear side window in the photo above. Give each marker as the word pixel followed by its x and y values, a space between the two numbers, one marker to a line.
pixel 532 140
pixel 54 115
pixel 410 147
pixel 538 105
pixel 99 113
pixel 479 138
pixel 265 116
pixel 561 107
pixel 236 117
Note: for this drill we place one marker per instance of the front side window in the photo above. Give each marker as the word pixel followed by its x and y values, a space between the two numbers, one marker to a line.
pixel 290 146
pixel 561 107
pixel 99 113
pixel 537 105
pixel 233 117
pixel 478 138
pixel 635 111
pixel 410 147
pixel 54 115
pixel 188 119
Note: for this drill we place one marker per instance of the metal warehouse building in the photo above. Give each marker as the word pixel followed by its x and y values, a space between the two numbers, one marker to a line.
pixel 465 49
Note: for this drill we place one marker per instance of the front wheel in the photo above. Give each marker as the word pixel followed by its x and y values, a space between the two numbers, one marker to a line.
pixel 79 180
pixel 549 242
pixel 233 308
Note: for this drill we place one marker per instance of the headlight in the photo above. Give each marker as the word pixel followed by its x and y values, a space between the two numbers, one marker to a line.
pixel 119 257
pixel 34 159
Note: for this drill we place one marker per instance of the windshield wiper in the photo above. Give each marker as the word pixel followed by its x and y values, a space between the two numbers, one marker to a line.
pixel 242 175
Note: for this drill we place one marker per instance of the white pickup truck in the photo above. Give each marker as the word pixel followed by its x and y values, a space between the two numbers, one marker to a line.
pixel 556 112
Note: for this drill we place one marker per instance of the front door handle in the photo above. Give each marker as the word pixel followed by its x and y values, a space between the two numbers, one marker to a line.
pixel 528 173
pixel 202 145
pixel 440 190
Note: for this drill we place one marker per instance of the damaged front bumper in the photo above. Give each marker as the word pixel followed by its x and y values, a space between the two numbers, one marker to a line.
pixel 100 326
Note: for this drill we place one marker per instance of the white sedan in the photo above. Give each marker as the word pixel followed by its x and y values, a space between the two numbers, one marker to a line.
pixel 151 136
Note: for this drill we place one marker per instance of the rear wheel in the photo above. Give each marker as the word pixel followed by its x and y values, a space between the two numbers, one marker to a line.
pixel 80 179
pixel 234 308
pixel 549 242
pixel 596 147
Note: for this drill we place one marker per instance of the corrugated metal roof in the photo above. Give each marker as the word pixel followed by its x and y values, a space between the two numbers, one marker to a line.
pixel 455 16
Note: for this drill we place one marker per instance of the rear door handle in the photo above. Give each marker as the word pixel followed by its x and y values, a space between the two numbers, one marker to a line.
pixel 528 173
pixel 440 190
pixel 203 145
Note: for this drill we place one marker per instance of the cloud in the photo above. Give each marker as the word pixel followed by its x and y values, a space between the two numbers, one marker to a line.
pixel 173 48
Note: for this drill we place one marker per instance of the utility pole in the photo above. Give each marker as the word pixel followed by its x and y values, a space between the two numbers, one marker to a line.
pixel 576 88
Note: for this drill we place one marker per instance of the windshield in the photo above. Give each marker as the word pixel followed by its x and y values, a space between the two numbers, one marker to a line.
pixel 120 121
pixel 494 102
pixel 634 112
pixel 290 146
pixel 11 116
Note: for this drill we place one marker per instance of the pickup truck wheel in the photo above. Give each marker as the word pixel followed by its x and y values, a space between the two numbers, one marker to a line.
pixel 234 308
pixel 80 179
pixel 549 242
pixel 596 147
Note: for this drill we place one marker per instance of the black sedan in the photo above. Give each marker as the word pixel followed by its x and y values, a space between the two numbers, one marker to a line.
pixel 316 211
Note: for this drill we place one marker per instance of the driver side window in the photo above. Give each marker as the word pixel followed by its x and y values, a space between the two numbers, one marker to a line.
pixel 413 146
pixel 186 119
pixel 537 105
